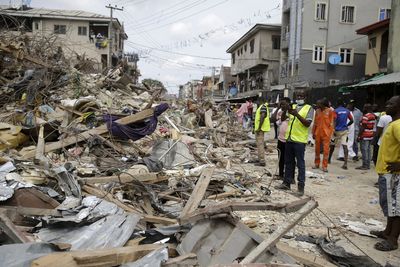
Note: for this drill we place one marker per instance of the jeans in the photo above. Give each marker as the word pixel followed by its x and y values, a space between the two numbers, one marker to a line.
pixel 281 147
pixel 366 153
pixel 355 143
pixel 294 152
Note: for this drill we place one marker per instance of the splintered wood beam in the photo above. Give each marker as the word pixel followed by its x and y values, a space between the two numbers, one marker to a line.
pixel 281 231
pixel 86 135
pixel 198 192
pixel 231 206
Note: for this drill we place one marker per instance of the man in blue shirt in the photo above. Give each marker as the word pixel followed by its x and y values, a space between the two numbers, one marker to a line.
pixel 343 119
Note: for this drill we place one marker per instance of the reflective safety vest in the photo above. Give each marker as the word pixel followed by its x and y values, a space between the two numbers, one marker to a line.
pixel 296 131
pixel 265 127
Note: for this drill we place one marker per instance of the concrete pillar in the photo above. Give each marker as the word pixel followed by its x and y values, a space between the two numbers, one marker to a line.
pixel 394 38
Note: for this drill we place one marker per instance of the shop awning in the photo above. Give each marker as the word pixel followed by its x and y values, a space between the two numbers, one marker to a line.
pixel 377 80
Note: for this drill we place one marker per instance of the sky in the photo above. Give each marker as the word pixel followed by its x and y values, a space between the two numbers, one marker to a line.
pixel 179 40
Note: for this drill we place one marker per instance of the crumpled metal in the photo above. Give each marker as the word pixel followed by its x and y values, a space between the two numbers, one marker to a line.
pixel 110 232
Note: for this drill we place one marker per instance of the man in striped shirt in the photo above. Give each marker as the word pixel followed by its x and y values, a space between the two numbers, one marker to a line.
pixel 366 136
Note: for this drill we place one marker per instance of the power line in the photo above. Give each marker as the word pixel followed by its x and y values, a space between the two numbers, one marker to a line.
pixel 191 15
pixel 168 15
pixel 177 53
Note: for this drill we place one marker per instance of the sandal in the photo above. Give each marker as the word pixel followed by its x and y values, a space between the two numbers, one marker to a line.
pixel 385 246
pixel 378 234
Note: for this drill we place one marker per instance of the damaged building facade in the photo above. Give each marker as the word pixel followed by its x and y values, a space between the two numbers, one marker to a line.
pixel 77 33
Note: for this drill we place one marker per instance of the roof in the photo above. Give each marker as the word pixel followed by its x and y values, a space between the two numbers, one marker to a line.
pixel 373 27
pixel 379 80
pixel 251 32
pixel 54 13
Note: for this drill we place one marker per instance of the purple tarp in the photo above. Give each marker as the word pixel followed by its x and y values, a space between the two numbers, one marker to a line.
pixel 137 130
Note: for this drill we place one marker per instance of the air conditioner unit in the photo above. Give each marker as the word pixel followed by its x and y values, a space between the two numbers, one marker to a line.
pixel 334 82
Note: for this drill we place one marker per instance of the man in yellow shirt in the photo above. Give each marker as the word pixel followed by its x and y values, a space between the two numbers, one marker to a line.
pixel 388 169
pixel 261 126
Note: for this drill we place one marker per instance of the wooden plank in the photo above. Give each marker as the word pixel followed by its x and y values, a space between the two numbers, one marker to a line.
pixel 32 211
pixel 86 135
pixel 228 207
pixel 110 144
pixel 189 259
pixel 123 178
pixel 11 230
pixel 101 257
pixel 281 231
pixel 304 257
pixel 198 192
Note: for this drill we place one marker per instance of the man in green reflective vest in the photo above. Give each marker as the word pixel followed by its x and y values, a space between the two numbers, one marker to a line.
pixel 300 118
pixel 261 125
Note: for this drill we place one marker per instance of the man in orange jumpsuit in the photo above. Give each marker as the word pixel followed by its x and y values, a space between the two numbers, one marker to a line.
pixel 322 132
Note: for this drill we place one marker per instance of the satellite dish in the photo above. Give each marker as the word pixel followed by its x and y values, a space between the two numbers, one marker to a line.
pixel 335 59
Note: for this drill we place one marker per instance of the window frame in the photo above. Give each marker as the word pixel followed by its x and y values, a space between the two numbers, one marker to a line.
pixel 386 13
pixel 351 56
pixel 233 58
pixel 354 14
pixel 82 27
pixel 60 26
pixel 322 61
pixel 325 13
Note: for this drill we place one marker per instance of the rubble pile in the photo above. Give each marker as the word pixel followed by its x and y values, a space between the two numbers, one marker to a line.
pixel 98 171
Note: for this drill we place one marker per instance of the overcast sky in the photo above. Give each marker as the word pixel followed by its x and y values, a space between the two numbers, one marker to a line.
pixel 190 36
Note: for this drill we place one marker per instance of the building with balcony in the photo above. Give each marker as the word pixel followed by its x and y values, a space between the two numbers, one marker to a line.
pixel 319 43
pixel 255 59
pixel 76 32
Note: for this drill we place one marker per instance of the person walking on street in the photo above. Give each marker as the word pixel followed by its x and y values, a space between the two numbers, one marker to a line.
pixel 283 124
pixel 357 117
pixel 300 118
pixel 322 132
pixel 261 126
pixel 366 136
pixel 343 119
pixel 388 169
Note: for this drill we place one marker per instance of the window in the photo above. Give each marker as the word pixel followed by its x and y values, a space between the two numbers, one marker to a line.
pixel 36 25
pixel 346 55
pixel 384 13
pixel 238 52
pixel 82 31
pixel 245 48
pixel 252 46
pixel 318 54
pixel 241 51
pixel 276 42
pixel 372 42
pixel 60 29
pixel 320 11
pixel 233 58
pixel 348 14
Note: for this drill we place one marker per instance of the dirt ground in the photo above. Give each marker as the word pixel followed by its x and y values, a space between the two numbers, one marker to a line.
pixel 340 193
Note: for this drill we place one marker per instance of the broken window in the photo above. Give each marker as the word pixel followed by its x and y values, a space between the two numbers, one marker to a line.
pixel 82 31
pixel 60 29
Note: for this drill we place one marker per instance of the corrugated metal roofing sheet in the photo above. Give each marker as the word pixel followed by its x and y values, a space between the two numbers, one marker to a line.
pixel 384 79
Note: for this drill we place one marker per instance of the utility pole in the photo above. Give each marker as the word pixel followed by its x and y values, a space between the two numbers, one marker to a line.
pixel 110 30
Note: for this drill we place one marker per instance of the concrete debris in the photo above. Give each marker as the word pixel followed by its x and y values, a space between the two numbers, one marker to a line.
pixel 88 161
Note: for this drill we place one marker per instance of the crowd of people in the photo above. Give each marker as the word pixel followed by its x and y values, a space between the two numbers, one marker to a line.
pixel 332 125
